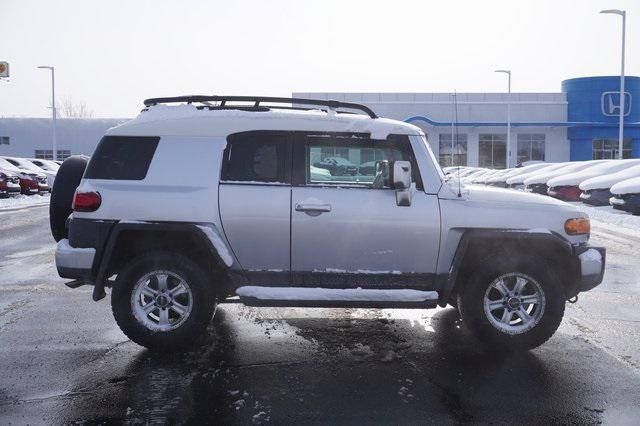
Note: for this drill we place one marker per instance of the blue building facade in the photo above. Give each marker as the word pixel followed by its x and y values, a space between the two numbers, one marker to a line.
pixel 593 114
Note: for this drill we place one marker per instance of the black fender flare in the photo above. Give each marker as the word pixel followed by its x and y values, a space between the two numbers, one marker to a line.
pixel 225 261
pixel 546 238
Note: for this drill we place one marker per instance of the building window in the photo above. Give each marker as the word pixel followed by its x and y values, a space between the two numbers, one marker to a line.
pixel 607 149
pixel 492 151
pixel 47 154
pixel 455 155
pixel 530 147
pixel 4 140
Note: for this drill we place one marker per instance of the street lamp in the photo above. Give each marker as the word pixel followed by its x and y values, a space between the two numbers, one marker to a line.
pixel 508 72
pixel 53 109
pixel 622 13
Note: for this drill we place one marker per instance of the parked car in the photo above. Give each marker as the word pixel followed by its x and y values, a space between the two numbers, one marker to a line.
pixel 501 181
pixel 596 190
pixel 45 164
pixel 24 164
pixel 30 182
pixel 508 260
pixel 538 182
pixel 626 196
pixel 517 182
pixel 337 166
pixel 567 187
pixel 9 183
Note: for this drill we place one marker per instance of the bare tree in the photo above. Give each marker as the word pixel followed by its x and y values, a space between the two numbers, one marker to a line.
pixel 70 109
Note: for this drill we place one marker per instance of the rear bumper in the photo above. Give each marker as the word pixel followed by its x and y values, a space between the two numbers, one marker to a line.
pixel 590 263
pixel 73 262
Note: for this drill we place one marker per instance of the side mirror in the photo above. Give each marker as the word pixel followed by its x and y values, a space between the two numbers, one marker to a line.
pixel 402 182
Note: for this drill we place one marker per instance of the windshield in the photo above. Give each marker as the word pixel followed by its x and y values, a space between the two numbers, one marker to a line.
pixel 4 164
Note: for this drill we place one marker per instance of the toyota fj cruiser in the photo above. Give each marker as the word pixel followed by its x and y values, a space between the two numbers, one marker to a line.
pixel 220 198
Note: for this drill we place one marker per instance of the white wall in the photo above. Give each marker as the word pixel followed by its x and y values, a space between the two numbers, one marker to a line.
pixel 78 135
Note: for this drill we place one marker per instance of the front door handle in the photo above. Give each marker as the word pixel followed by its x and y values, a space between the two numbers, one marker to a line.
pixel 320 208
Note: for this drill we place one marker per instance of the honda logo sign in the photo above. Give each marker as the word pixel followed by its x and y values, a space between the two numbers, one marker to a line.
pixel 610 103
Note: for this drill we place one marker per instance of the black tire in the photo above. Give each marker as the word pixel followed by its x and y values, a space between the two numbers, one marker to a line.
pixel 195 324
pixel 67 180
pixel 471 307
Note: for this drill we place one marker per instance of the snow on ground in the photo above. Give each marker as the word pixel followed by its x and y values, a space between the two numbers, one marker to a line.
pixel 609 216
pixel 18 201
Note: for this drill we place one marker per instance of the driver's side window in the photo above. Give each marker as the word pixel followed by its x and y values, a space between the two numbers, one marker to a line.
pixel 355 161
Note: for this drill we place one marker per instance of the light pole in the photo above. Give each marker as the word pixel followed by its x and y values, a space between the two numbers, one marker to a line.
pixel 622 13
pixel 508 72
pixel 53 109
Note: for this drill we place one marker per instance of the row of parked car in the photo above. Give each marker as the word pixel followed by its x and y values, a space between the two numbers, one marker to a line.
pixel 595 182
pixel 28 176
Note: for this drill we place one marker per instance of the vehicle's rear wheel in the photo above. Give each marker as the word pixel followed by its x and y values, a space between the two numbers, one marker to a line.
pixel 162 301
pixel 512 304
pixel 67 180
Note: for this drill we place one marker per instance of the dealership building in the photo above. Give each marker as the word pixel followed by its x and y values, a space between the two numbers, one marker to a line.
pixel 578 123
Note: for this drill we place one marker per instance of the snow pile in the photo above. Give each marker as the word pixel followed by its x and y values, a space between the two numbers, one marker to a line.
pixel 19 201
pixel 629 186
pixel 607 215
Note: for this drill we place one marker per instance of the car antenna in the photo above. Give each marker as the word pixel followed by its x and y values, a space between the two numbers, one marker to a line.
pixel 455 105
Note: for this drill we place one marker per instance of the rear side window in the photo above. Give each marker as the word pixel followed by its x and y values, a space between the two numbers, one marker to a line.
pixel 256 157
pixel 122 158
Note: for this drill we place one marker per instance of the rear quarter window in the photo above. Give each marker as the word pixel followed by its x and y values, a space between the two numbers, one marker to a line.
pixel 122 158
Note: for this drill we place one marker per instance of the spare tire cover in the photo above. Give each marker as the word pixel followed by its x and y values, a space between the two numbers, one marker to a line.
pixel 64 187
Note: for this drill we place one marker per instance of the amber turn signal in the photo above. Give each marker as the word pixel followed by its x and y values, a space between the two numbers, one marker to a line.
pixel 578 226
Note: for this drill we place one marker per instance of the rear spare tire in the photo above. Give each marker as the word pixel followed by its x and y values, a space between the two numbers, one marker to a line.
pixel 67 180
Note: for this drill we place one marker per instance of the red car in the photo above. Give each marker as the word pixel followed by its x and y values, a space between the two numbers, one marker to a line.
pixel 9 184
pixel 565 193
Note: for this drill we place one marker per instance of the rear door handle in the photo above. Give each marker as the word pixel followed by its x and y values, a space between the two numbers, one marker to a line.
pixel 300 207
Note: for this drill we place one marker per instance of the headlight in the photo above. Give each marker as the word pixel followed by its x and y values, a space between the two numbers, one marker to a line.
pixel 578 226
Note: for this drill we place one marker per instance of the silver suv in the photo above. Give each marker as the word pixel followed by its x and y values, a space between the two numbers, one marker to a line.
pixel 218 198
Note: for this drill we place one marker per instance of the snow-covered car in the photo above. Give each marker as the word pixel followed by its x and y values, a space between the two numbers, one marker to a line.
pixel 30 182
pixel 538 182
pixel 517 182
pixel 28 166
pixel 501 181
pixel 195 204
pixel 495 178
pixel 9 183
pixel 47 165
pixel 567 187
pixel 596 190
pixel 626 196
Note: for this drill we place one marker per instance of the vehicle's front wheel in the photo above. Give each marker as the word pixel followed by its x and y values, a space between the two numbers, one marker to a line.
pixel 162 301
pixel 513 305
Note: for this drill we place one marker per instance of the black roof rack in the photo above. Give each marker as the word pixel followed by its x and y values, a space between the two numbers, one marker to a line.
pixel 257 100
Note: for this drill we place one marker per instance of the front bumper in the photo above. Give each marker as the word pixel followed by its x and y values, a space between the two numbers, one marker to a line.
pixel 627 202
pixel 596 197
pixel 565 193
pixel 537 188
pixel 72 262
pixel 590 263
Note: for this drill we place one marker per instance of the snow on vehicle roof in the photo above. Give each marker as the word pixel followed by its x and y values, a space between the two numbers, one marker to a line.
pixel 522 170
pixel 518 179
pixel 188 120
pixel 576 178
pixel 607 181
pixel 571 167
pixel 629 186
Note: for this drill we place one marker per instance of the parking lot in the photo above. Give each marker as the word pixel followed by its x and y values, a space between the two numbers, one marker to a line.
pixel 64 360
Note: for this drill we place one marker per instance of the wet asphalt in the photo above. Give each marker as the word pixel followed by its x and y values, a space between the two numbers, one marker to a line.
pixel 63 359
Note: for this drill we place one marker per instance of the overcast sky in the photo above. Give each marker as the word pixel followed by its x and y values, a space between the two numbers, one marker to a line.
pixel 113 54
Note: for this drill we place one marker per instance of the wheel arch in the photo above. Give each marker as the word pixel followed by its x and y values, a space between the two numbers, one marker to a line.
pixel 202 243
pixel 478 246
